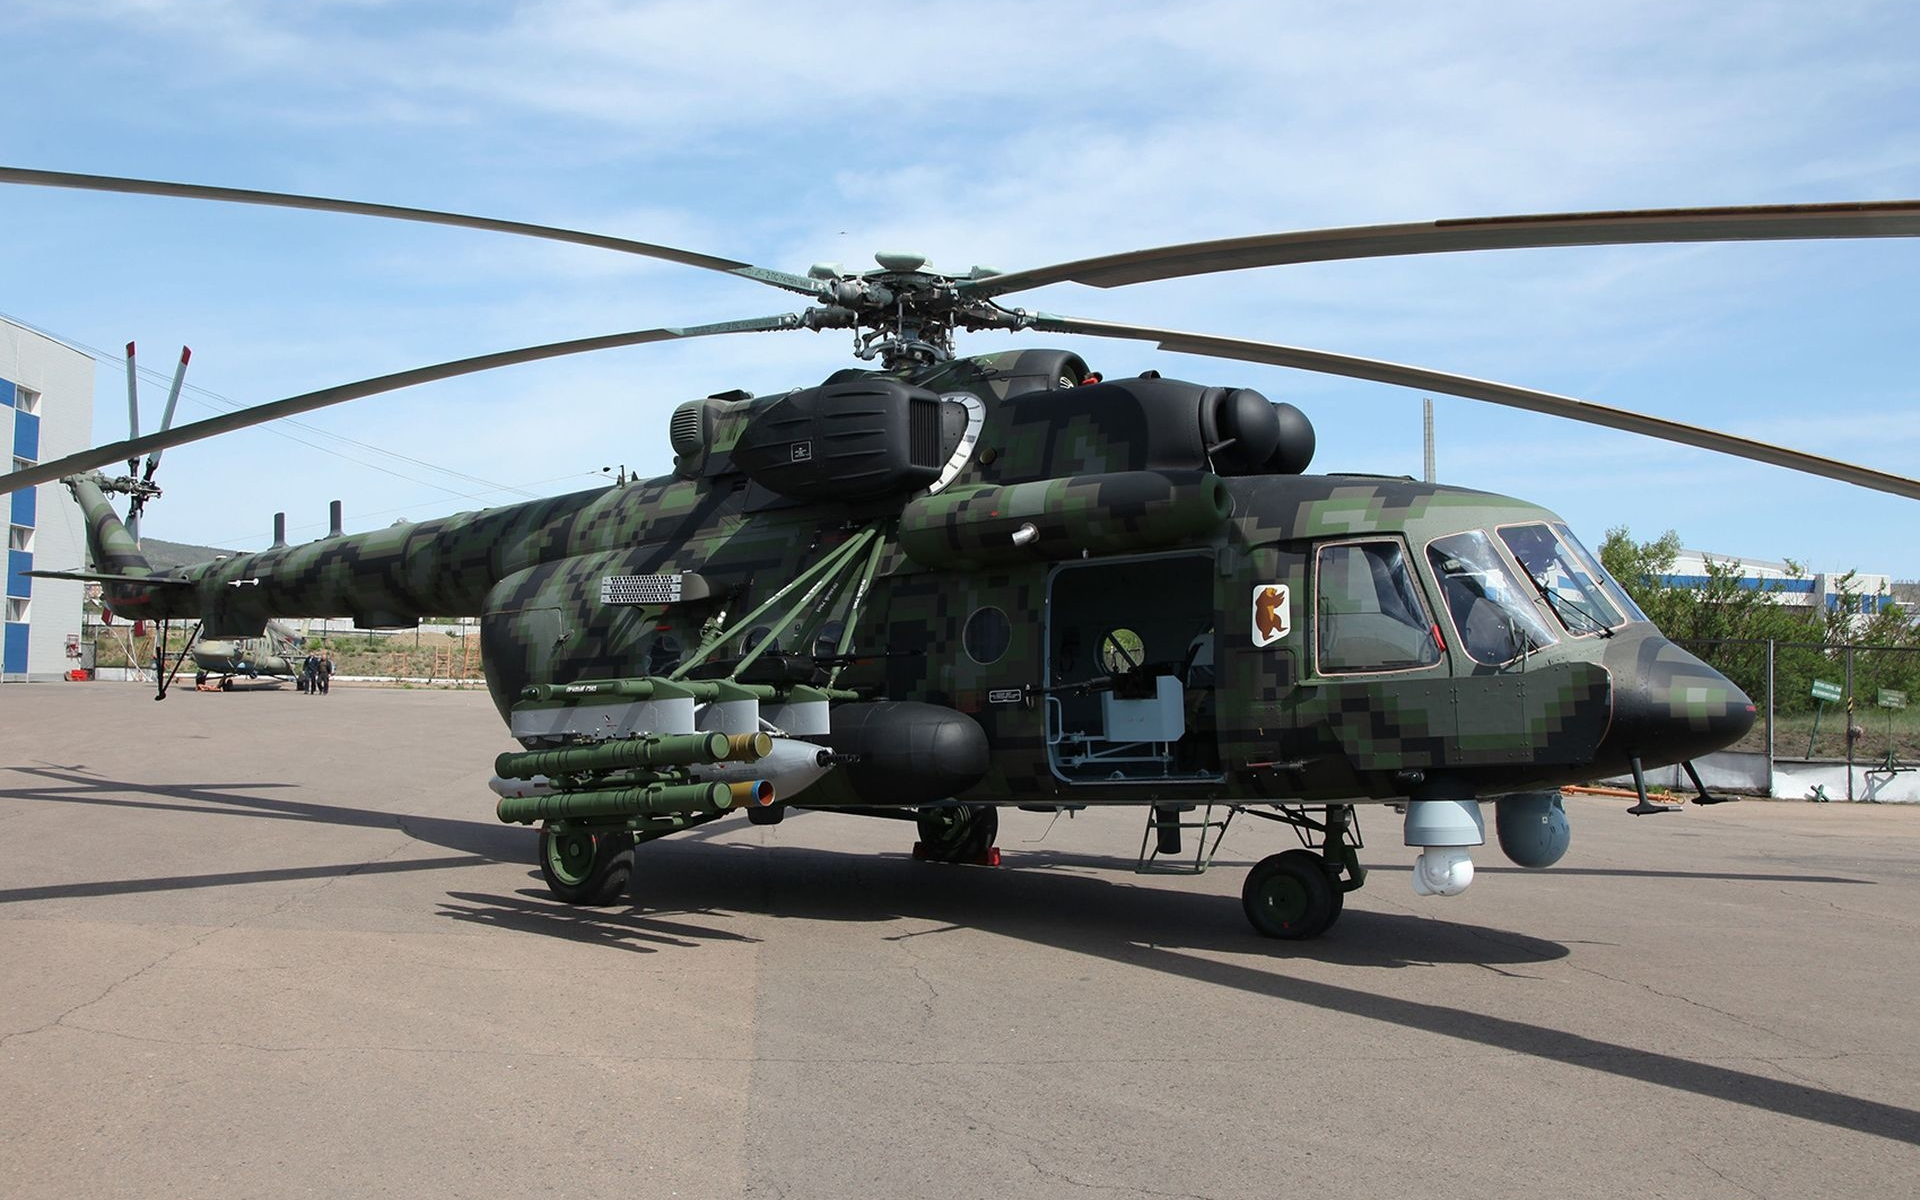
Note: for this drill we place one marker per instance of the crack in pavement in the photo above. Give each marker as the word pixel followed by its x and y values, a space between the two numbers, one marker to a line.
pixel 1692 1002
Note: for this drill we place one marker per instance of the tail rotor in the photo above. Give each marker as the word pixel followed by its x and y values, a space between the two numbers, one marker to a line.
pixel 140 485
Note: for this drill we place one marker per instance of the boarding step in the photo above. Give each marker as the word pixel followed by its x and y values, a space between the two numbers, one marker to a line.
pixel 1162 846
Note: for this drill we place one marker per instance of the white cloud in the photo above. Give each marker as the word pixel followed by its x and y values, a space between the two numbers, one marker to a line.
pixel 998 133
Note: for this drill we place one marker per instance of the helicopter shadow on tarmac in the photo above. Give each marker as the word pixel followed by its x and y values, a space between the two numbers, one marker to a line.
pixel 478 842
pixel 534 911
pixel 1073 901
pixel 1152 927
pixel 1045 895
pixel 1035 860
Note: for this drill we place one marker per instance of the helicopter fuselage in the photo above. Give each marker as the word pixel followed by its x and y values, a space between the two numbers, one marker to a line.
pixel 1001 581
pixel 1164 633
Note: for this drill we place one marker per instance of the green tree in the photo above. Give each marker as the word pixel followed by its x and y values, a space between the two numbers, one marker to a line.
pixel 1810 640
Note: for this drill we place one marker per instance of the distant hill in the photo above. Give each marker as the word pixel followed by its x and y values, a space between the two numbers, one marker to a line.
pixel 163 554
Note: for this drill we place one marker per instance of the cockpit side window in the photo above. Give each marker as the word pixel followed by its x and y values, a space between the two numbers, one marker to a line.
pixel 1368 615
pixel 1565 577
pixel 1492 610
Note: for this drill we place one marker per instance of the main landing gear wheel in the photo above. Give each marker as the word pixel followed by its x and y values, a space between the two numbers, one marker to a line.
pixel 1290 896
pixel 591 869
pixel 959 833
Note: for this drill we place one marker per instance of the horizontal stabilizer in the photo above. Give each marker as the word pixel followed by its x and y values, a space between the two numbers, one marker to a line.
pixel 108 577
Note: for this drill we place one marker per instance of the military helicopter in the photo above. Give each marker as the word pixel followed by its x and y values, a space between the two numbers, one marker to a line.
pixel 274 654
pixel 945 583
pixel 217 661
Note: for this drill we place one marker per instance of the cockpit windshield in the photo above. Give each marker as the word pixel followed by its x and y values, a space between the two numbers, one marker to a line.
pixel 1493 611
pixel 1608 583
pixel 1581 595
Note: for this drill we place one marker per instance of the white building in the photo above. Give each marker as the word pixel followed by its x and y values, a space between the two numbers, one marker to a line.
pixel 46 412
pixel 1782 582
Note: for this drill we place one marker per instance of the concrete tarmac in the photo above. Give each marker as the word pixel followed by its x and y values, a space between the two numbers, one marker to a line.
pixel 267 945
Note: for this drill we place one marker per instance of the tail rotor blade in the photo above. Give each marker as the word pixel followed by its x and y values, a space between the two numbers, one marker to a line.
pixel 133 410
pixel 166 417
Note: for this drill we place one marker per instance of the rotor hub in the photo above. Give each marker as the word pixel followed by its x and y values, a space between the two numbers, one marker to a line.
pixel 903 314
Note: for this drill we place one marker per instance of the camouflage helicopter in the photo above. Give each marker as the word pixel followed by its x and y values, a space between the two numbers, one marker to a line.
pixel 948 583
pixel 274 654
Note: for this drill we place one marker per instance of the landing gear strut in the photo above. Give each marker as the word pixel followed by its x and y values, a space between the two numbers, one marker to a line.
pixel 1299 894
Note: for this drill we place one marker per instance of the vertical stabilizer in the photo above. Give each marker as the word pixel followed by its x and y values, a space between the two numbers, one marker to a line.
pixel 109 544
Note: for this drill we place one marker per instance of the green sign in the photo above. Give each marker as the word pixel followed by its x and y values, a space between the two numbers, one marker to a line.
pixel 1822 690
pixel 1892 699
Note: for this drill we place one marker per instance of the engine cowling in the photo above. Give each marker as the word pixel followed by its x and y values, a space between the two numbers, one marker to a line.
pixel 849 441
pixel 1063 518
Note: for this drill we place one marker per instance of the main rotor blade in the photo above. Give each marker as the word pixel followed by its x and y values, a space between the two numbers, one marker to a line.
pixel 228 422
pixel 1770 222
pixel 195 191
pixel 1497 393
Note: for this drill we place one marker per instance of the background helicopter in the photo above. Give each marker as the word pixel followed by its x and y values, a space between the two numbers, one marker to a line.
pixel 948 583
pixel 276 654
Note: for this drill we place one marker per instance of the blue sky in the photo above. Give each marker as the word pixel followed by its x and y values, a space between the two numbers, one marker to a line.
pixel 1002 134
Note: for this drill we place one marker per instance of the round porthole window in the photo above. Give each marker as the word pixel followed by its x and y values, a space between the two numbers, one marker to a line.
pixel 987 635
pixel 1121 651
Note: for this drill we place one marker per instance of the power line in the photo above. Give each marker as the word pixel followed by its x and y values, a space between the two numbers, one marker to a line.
pixel 217 399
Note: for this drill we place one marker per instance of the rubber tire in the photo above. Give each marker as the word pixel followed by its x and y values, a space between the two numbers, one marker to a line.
pixel 1289 896
pixel 601 881
pixel 959 834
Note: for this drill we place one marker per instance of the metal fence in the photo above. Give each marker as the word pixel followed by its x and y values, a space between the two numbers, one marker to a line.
pixel 1824 703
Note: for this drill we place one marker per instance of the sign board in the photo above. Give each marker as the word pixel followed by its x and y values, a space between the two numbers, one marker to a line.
pixel 1892 699
pixel 1822 690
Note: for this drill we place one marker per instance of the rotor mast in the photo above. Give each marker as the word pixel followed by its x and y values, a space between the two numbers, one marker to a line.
pixel 904 314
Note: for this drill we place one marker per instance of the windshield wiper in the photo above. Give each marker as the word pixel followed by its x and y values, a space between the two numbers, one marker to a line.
pixel 1561 606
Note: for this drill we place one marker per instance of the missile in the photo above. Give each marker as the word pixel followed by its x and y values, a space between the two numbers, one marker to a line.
pixel 651 800
pixel 672 750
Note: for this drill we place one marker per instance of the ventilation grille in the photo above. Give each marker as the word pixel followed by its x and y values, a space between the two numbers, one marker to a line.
pixel 923 432
pixel 687 431
pixel 640 589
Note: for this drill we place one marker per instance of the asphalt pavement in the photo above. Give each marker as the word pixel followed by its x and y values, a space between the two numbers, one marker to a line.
pixel 263 944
